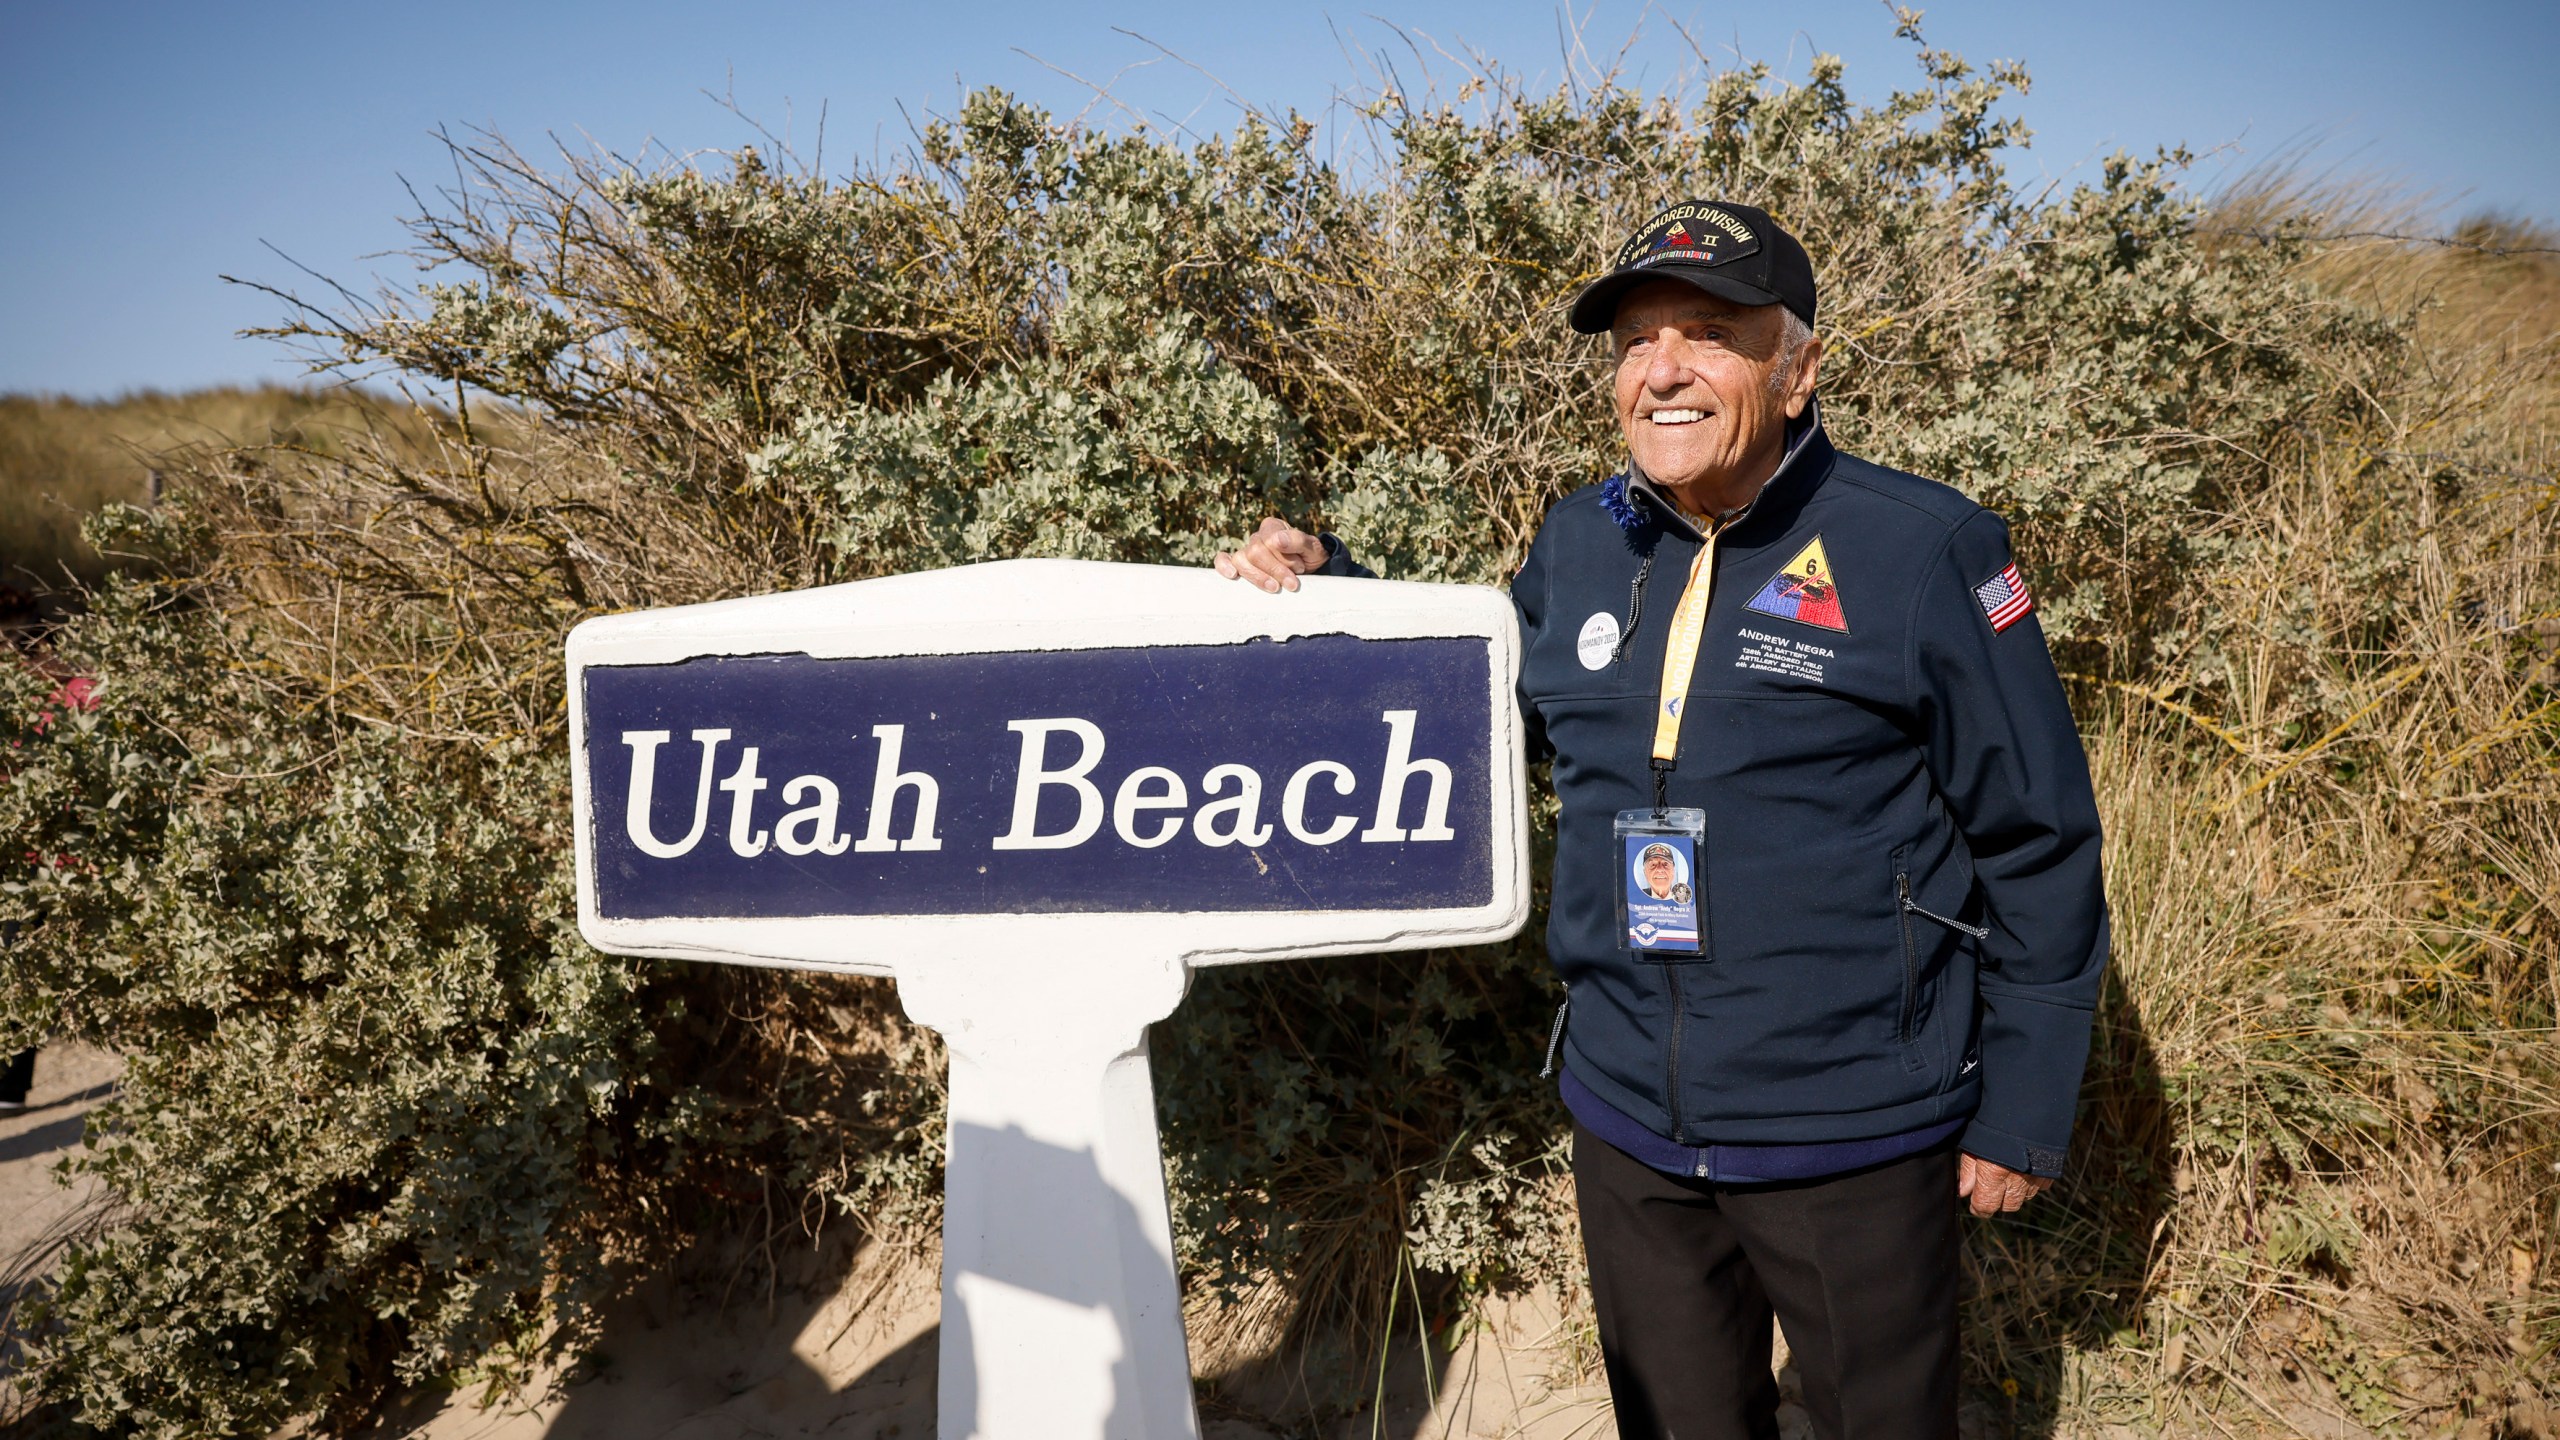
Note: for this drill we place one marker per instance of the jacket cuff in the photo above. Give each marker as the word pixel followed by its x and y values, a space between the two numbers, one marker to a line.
pixel 2033 1057
pixel 2002 1148
pixel 1338 561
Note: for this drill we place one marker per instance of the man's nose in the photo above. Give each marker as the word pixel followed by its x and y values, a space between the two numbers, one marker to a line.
pixel 1670 368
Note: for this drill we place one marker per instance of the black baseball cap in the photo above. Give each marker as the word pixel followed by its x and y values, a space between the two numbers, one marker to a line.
pixel 1733 251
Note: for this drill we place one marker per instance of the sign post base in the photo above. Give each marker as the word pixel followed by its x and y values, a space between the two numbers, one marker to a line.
pixel 1061 1313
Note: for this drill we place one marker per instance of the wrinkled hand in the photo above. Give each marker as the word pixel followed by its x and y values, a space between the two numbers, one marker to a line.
pixel 1995 1189
pixel 1274 557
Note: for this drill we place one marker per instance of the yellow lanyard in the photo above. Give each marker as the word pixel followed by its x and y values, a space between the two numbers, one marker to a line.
pixel 1680 652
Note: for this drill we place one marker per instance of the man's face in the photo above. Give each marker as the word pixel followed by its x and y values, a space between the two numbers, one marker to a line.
pixel 1657 875
pixel 1693 387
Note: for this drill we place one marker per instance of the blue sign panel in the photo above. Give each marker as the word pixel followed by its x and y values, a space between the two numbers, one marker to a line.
pixel 1318 773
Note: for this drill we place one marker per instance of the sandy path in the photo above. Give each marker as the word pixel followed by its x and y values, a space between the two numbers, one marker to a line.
pixel 39 1214
pixel 859 1364
pixel 35 1206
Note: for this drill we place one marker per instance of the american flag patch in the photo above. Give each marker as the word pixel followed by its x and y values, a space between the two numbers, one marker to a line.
pixel 2004 597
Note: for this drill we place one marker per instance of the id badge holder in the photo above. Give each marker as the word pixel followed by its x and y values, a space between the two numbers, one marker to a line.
pixel 1658 879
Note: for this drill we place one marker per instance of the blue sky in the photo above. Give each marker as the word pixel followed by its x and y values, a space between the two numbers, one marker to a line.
pixel 154 147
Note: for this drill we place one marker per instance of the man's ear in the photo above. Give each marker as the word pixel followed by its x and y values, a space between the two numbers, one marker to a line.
pixel 1800 384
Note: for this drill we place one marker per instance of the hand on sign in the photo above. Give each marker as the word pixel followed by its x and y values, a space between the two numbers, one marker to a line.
pixel 1273 557
pixel 1995 1189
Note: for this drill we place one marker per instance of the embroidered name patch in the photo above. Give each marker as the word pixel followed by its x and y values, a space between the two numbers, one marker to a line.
pixel 1777 655
pixel 2004 597
pixel 1804 592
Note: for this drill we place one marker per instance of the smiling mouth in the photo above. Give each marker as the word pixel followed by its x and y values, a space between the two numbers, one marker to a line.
pixel 1677 417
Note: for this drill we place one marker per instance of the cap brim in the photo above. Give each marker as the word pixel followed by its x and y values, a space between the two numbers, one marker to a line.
pixel 1596 308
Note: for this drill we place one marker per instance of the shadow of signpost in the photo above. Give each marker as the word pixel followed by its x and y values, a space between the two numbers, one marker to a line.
pixel 1077 1201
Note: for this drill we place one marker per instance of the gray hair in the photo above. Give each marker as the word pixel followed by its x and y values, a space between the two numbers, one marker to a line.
pixel 1793 336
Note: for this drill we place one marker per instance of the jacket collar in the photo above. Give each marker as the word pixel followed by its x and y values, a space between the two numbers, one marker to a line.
pixel 1808 457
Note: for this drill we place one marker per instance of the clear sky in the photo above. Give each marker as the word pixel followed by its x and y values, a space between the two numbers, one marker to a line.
pixel 152 147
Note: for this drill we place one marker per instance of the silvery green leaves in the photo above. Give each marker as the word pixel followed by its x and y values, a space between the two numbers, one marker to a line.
pixel 1152 453
pixel 1409 525
pixel 488 334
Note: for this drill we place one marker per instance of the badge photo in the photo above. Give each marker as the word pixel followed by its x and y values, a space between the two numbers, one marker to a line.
pixel 1661 872
pixel 1658 902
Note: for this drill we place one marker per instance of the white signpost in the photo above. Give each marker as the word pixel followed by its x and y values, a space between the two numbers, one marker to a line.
pixel 1038 792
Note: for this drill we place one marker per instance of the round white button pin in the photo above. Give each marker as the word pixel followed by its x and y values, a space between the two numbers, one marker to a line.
pixel 1598 641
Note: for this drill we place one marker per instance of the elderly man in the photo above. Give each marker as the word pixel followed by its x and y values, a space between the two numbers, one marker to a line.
pixel 1823 680
pixel 1658 872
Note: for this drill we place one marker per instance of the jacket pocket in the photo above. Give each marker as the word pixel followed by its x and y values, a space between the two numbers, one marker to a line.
pixel 1910 950
pixel 1906 908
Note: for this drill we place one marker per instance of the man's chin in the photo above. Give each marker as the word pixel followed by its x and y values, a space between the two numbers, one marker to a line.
pixel 1677 469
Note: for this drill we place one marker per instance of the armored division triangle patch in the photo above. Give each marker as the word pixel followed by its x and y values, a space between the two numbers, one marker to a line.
pixel 1804 592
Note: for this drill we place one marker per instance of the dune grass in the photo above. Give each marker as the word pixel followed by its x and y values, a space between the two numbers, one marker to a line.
pixel 62 460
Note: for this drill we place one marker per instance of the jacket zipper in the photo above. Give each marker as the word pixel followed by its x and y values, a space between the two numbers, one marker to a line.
pixel 1671 968
pixel 1671 1055
pixel 1635 607
pixel 1910 962
pixel 1555 1041
pixel 1679 1007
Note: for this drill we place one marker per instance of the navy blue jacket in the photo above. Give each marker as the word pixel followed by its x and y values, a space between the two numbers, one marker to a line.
pixel 1874 794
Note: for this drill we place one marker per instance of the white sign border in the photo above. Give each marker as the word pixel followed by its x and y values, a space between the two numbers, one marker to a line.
pixel 1061 605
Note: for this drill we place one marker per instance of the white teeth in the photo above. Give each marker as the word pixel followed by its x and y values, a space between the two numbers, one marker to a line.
pixel 1677 417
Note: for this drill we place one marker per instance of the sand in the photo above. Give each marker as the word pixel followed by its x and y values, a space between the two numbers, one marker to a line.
pixel 39 1213
pixel 699 1355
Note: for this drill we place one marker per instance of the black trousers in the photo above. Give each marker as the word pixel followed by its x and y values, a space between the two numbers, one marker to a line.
pixel 1860 1268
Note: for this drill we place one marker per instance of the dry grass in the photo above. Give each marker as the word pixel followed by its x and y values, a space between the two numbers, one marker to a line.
pixel 2320 1189
pixel 63 460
